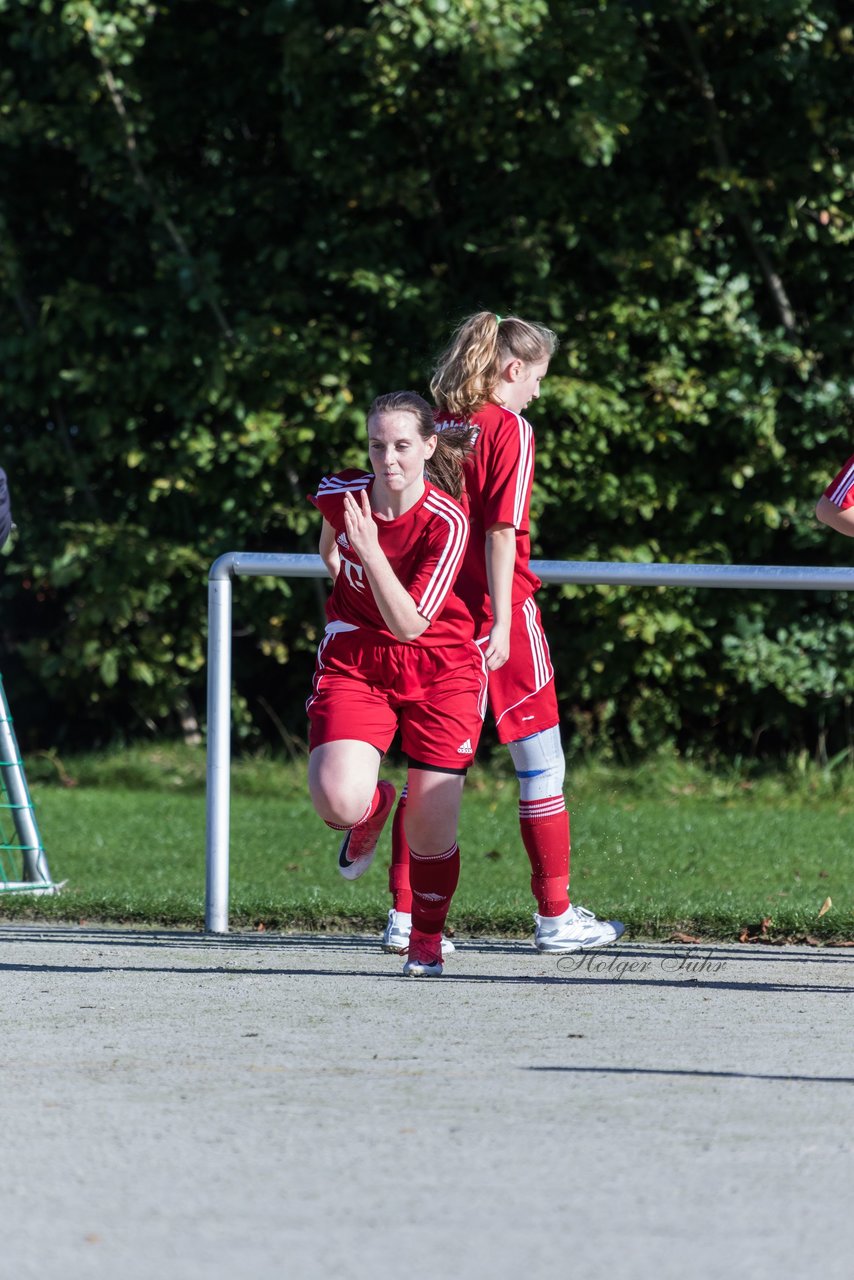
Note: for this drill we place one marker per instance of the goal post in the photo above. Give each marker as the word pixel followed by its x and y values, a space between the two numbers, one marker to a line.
pixel 265 564
pixel 218 786
pixel 23 862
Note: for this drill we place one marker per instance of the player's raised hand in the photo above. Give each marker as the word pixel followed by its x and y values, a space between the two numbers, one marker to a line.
pixel 359 523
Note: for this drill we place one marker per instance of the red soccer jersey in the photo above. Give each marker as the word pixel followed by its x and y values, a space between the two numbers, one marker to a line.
pixel 499 474
pixel 841 490
pixel 425 548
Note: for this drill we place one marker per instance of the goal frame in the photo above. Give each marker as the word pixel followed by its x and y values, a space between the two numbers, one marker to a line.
pixel 235 564
pixel 15 799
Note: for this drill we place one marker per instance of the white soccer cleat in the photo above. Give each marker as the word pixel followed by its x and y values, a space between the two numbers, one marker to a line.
pixel 424 960
pixel 395 937
pixel 576 930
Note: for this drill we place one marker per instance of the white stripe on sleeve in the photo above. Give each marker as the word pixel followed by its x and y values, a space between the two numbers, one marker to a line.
pixel 840 492
pixel 448 564
pixel 526 466
pixel 334 484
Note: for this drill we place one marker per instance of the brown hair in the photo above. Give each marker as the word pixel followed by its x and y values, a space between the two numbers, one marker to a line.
pixel 445 468
pixel 467 372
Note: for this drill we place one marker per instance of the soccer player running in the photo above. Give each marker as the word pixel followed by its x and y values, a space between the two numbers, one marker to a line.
pixel 485 378
pixel 398 652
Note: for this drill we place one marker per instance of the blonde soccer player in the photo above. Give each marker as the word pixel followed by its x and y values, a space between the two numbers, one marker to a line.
pixel 485 379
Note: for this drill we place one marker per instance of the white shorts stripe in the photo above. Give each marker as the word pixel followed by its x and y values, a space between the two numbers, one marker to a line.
pixel 483 696
pixel 542 665
pixel 331 629
pixel 543 671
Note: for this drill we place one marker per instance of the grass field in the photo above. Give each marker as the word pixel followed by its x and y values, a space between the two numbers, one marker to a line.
pixel 665 847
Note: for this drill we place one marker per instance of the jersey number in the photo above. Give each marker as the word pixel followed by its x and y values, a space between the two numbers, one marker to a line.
pixel 355 573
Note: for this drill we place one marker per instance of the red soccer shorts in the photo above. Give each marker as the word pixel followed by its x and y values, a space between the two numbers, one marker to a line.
pixel 522 693
pixel 365 689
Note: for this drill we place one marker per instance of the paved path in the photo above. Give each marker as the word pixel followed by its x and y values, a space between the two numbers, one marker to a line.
pixel 188 1107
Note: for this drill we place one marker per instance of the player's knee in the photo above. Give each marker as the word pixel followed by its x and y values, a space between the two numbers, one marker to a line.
pixel 540 764
pixel 429 836
pixel 431 824
pixel 340 810
pixel 338 799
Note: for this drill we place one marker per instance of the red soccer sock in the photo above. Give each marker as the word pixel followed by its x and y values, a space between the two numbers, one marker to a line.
pixel 425 946
pixel 434 878
pixel 545 834
pixel 369 813
pixel 398 872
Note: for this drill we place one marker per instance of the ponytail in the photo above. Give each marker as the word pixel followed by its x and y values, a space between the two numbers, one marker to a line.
pixel 467 372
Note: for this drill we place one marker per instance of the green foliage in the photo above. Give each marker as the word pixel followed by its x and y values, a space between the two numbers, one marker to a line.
pixel 225 228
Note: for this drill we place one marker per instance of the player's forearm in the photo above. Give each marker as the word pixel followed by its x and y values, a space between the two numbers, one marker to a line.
pixel 500 563
pixel 835 518
pixel 393 600
pixel 328 549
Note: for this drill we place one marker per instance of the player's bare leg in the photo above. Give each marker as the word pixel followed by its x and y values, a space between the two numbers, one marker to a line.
pixel 342 780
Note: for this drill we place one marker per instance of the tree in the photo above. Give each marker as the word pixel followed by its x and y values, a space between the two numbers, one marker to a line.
pixel 223 229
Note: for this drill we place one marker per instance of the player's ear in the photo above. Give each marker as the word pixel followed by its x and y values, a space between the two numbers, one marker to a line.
pixel 430 446
pixel 513 370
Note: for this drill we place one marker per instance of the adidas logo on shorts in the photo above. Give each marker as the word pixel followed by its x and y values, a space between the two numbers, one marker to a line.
pixel 465 749
pixel 342 539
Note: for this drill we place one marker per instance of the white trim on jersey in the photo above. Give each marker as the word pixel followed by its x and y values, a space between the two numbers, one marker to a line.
pixel 526 466
pixel 334 484
pixel 448 565
pixel 841 491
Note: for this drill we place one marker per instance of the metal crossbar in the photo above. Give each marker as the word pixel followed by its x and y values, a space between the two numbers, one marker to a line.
pixel 261 564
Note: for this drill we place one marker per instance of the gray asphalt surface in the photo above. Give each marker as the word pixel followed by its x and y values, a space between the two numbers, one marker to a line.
pixel 180 1105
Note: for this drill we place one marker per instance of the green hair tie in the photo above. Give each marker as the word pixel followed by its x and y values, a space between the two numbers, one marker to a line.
pixel 498 318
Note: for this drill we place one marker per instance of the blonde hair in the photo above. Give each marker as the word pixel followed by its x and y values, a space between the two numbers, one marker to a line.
pixel 445 467
pixel 467 372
